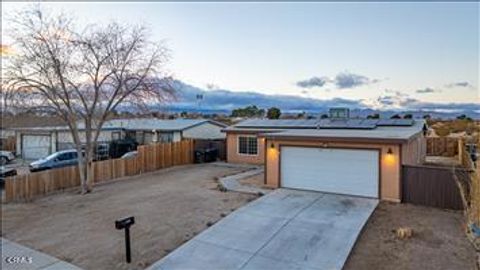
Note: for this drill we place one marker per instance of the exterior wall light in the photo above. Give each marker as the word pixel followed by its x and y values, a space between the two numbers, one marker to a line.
pixel 390 152
pixel 272 145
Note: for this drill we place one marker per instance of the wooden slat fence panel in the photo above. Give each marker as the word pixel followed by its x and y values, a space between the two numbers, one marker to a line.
pixel 149 158
pixel 430 186
pixel 442 146
pixel 8 144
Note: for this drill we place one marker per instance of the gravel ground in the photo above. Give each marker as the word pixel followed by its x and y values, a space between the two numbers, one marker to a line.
pixel 170 207
pixel 438 241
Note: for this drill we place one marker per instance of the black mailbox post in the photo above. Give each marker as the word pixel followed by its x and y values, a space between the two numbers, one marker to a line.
pixel 125 223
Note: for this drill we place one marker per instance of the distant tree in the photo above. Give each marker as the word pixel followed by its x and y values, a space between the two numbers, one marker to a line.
pixel 310 117
pixel 374 116
pixel 273 113
pixel 249 111
pixel 395 116
pixel 301 115
pixel 427 116
pixel 184 114
pixel 324 116
pixel 464 117
pixel 408 116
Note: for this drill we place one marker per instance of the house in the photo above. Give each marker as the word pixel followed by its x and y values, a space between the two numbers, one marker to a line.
pixel 37 142
pixel 341 155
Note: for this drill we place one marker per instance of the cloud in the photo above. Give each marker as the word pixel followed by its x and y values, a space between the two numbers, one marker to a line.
pixel 226 100
pixel 223 101
pixel 426 90
pixel 313 82
pixel 346 80
pixel 343 80
pixel 460 84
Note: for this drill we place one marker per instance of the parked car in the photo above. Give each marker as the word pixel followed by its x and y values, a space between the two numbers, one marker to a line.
pixel 101 152
pixel 56 160
pixel 6 157
pixel 119 147
pixel 6 172
pixel 129 155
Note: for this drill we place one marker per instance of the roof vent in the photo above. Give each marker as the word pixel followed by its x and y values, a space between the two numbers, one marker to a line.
pixel 339 113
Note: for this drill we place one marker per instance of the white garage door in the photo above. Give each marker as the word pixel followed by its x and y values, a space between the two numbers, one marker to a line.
pixel 342 171
pixel 35 146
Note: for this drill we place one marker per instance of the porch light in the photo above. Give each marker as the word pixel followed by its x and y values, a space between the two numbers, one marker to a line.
pixel 272 145
pixel 389 152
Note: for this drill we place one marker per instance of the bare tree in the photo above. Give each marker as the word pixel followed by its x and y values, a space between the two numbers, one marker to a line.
pixel 82 76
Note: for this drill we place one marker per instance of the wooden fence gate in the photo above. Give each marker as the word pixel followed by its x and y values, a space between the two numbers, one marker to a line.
pixel 430 186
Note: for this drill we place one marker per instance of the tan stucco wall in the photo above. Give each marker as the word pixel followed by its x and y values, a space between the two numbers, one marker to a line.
pixel 232 152
pixel 390 165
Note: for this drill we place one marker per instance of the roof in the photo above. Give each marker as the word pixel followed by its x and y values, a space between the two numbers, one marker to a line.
pixel 351 123
pixel 158 124
pixel 396 133
pixel 138 124
pixel 387 129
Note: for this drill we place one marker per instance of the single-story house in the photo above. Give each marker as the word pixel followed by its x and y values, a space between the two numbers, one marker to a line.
pixel 37 142
pixel 360 157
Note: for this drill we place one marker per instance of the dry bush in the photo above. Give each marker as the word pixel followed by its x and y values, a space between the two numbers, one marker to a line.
pixel 442 130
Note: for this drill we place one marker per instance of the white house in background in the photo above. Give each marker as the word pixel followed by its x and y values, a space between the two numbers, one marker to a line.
pixel 37 142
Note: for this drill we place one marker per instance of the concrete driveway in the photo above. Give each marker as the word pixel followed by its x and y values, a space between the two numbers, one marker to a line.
pixel 286 229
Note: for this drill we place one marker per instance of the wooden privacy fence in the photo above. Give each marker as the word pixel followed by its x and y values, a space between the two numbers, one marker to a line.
pixel 442 146
pixel 430 186
pixel 149 158
pixel 8 144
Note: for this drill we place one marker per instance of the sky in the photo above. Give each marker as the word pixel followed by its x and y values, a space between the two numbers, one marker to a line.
pixel 382 54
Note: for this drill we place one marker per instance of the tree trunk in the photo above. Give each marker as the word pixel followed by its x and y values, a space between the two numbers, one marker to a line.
pixel 81 170
pixel 89 152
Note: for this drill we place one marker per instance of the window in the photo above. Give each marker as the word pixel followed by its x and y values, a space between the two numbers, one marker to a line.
pixel 165 137
pixel 247 145
pixel 67 156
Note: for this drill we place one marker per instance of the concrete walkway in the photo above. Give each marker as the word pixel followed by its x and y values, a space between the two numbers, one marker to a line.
pixel 16 257
pixel 286 229
pixel 231 182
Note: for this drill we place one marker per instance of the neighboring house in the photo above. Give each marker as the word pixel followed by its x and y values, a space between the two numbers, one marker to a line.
pixel 340 155
pixel 37 142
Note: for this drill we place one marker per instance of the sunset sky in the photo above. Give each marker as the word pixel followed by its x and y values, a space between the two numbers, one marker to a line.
pixel 374 52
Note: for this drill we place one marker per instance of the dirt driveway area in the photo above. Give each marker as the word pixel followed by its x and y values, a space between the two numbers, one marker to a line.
pixel 170 207
pixel 438 241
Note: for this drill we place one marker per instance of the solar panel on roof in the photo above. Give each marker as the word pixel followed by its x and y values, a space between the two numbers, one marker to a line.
pixel 324 123
pixel 346 124
pixel 403 122
pixel 281 123
pixel 395 122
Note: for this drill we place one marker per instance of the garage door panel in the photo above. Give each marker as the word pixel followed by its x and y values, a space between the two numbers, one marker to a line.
pixel 35 146
pixel 343 171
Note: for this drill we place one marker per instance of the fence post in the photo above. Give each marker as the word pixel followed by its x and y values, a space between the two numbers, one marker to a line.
pixel 460 150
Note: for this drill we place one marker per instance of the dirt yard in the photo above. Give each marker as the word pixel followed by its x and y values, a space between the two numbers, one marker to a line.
pixel 438 241
pixel 170 207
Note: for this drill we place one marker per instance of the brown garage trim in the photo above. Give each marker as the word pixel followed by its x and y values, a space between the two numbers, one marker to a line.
pixel 379 151
pixel 334 139
pixel 265 162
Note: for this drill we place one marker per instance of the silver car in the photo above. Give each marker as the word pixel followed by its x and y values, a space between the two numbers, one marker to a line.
pixel 56 160
pixel 6 157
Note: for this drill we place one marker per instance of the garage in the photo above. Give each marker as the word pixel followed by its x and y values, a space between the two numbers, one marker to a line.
pixel 342 171
pixel 35 146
